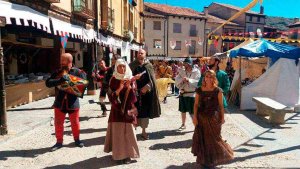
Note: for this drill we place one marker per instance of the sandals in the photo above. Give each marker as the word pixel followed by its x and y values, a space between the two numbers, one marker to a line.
pixel 145 137
pixel 183 127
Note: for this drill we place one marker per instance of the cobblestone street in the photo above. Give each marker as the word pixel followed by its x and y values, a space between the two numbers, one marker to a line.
pixel 32 135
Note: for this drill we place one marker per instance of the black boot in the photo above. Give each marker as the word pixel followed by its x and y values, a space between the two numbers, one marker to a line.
pixel 78 143
pixel 56 146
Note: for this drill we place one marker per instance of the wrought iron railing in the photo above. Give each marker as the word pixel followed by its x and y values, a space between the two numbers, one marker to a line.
pixel 84 8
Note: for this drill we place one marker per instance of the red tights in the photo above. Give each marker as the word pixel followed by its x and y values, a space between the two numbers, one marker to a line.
pixel 59 119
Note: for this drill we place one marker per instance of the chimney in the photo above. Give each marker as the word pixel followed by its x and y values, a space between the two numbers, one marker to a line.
pixel 206 10
pixel 261 11
pixel 296 20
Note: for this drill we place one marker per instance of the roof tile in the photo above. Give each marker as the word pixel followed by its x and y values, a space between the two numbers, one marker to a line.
pixel 174 10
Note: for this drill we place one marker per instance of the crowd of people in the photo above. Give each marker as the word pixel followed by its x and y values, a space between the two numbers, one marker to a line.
pixel 133 95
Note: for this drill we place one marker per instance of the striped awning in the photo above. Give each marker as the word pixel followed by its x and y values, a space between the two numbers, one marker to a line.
pixel 24 15
pixel 62 28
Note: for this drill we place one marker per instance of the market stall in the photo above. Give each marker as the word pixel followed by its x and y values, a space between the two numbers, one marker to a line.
pixel 280 82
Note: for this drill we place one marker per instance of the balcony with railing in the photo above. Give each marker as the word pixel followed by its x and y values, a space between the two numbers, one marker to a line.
pixel 84 8
pixel 111 19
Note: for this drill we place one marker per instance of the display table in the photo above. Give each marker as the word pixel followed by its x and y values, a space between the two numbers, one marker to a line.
pixel 18 94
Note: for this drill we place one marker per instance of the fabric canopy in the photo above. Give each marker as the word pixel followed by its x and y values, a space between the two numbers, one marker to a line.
pixel 272 50
pixel 280 83
pixel 246 42
pixel 25 14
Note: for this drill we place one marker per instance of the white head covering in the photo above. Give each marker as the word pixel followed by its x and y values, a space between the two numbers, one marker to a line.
pixel 128 72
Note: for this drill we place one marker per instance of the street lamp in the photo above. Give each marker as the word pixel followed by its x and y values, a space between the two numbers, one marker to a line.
pixel 3 117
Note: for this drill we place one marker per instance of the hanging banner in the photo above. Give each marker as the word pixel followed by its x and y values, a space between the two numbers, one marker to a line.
pixel 172 44
pixel 187 43
pixel 200 41
pixel 64 40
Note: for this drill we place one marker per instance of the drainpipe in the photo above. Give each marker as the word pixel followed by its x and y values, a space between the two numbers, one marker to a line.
pixel 3 116
pixel 167 36
pixel 205 39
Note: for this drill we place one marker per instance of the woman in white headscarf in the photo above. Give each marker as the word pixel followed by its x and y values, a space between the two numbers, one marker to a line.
pixel 120 137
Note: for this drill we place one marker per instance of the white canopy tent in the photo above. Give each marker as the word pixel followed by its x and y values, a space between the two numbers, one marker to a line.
pixel 280 83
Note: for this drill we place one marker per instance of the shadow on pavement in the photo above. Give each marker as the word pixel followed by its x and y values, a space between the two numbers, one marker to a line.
pixel 92 163
pixel 185 165
pixel 260 137
pixel 164 133
pixel 90 142
pixel 176 145
pixel 261 121
pixel 93 102
pixel 30 109
pixel 251 116
pixel 87 131
pixel 84 118
pixel 266 154
pixel 32 153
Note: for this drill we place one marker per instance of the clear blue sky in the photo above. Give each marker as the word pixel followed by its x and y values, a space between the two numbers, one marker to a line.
pixel 284 8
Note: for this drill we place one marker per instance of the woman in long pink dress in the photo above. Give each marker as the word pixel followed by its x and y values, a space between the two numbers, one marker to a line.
pixel 208 145
pixel 120 137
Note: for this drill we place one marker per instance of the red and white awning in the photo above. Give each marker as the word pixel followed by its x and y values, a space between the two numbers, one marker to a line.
pixel 24 16
pixel 62 28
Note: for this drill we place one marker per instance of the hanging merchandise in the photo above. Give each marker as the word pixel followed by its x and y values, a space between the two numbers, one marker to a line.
pixel 172 44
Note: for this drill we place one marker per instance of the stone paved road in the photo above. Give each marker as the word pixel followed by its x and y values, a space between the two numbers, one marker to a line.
pixel 167 148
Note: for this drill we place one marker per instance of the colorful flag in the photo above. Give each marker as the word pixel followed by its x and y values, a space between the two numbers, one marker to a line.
pixel 64 40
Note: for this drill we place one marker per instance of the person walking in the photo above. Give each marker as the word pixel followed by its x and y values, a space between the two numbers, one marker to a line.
pixel 175 68
pixel 223 80
pixel 148 102
pixel 120 136
pixel 186 81
pixel 99 77
pixel 165 71
pixel 208 145
pixel 65 103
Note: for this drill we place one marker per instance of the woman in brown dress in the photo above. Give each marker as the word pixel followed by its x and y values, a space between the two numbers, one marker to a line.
pixel 120 136
pixel 208 145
